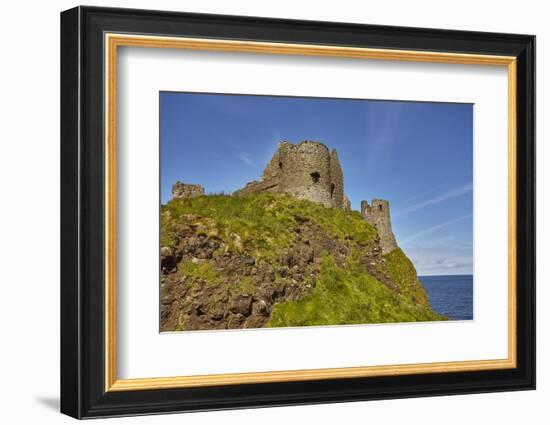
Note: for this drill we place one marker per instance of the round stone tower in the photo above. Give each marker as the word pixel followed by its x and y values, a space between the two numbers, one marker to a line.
pixel 307 170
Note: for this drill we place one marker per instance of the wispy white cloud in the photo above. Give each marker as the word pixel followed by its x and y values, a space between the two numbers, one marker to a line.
pixel 380 134
pixel 442 197
pixel 447 266
pixel 246 159
pixel 441 259
pixel 434 228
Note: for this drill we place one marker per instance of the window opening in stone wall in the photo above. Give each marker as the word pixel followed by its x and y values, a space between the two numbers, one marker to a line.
pixel 315 177
pixel 332 187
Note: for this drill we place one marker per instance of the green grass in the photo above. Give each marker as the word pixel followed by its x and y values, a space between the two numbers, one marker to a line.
pixel 402 271
pixel 244 286
pixel 401 268
pixel 264 223
pixel 348 296
pixel 202 271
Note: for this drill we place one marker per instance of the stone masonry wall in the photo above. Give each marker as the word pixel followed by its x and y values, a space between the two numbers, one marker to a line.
pixel 378 214
pixel 307 170
pixel 184 190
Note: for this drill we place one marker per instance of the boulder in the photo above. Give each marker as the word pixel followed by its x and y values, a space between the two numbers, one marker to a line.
pixel 241 304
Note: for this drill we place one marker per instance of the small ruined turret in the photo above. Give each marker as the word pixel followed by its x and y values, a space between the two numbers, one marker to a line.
pixel 378 215
pixel 184 190
pixel 346 204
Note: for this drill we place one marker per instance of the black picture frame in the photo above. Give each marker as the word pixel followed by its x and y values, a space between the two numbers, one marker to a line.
pixel 83 392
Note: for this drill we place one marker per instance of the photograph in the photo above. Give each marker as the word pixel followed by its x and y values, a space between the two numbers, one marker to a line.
pixel 280 211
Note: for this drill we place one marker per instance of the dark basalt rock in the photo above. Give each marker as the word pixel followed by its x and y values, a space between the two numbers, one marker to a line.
pixel 241 304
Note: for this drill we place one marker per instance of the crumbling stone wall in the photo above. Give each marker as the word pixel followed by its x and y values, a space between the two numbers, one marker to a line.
pixel 307 170
pixel 378 214
pixel 347 204
pixel 184 190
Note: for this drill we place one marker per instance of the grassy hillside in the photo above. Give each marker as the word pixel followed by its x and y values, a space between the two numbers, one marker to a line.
pixel 270 260
pixel 349 295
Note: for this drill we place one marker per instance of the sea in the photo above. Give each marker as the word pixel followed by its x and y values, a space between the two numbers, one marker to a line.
pixel 451 296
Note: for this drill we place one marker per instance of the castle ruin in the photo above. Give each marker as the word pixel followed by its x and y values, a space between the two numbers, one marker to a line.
pixel 378 214
pixel 307 170
pixel 310 171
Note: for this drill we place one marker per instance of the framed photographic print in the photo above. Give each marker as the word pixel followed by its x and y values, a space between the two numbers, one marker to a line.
pixel 261 212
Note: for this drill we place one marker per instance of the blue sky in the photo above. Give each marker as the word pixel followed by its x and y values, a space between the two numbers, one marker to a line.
pixel 417 155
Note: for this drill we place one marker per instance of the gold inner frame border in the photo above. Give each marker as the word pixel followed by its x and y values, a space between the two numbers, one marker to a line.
pixel 112 41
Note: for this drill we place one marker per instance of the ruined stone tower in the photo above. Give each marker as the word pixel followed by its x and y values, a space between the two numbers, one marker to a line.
pixel 378 214
pixel 307 170
pixel 186 190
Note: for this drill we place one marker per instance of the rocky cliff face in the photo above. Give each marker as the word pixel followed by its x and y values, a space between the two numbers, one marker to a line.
pixel 268 259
